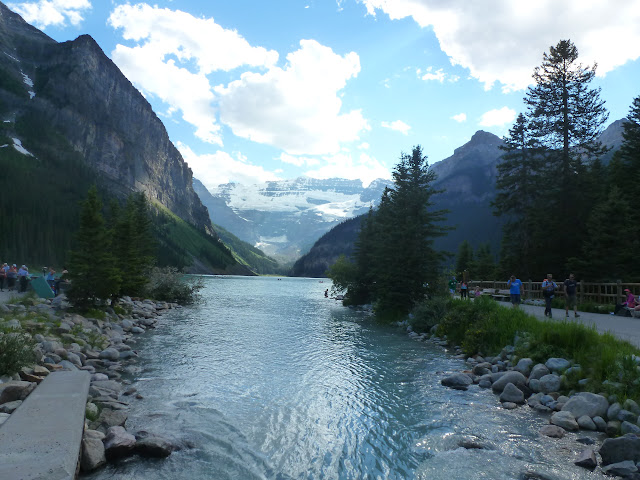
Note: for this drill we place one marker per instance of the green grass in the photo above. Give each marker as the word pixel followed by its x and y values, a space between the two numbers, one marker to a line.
pixel 485 327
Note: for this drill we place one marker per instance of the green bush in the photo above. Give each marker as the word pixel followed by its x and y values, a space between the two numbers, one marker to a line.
pixel 169 285
pixel 429 313
pixel 16 351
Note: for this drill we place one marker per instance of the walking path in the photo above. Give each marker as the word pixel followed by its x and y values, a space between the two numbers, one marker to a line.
pixel 625 328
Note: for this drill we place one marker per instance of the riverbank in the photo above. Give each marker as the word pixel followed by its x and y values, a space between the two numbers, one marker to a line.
pixel 101 346
pixel 575 396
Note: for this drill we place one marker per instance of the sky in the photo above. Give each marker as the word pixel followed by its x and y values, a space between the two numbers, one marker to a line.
pixel 252 91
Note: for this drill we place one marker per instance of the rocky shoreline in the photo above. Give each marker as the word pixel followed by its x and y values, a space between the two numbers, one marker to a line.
pixel 102 347
pixel 520 382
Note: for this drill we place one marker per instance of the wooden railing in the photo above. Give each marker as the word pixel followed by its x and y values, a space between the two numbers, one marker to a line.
pixel 600 293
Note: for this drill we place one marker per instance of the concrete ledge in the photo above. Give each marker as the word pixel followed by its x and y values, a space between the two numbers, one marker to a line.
pixel 41 439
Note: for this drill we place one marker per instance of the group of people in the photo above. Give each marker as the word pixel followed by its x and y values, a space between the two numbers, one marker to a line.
pixel 549 287
pixel 10 274
pixel 631 303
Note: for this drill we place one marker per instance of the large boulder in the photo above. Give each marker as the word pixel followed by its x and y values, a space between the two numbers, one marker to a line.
pixel 552 431
pixel 587 459
pixel 152 445
pixel 15 390
pixel 524 366
pixel 458 381
pixel 557 364
pixel 512 394
pixel 621 469
pixel 585 423
pixel 550 383
pixel 93 454
pixel 518 379
pixel 565 420
pixel 615 450
pixel 586 403
pixel 118 443
pixel 539 371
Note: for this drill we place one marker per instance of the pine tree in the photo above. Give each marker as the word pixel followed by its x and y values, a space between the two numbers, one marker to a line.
pixel 92 270
pixel 629 152
pixel 484 265
pixel 464 259
pixel 566 118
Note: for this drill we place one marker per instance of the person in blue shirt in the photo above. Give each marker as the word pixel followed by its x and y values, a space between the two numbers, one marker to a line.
pixel 51 280
pixel 548 290
pixel 515 285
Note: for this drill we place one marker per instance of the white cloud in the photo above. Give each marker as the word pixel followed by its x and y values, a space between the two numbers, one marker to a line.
pixel 503 40
pixel 175 52
pixel 438 75
pixel 220 167
pixel 498 117
pixel 398 126
pixel 344 165
pixel 298 161
pixel 296 108
pixel 364 146
pixel 461 117
pixel 44 13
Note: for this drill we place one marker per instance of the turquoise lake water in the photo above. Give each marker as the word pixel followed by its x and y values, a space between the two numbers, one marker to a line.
pixel 267 379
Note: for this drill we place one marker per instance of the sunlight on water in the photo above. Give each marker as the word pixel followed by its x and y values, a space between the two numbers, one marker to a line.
pixel 267 379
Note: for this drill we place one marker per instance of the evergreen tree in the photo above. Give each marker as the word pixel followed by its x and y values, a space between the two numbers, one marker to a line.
pixel 361 291
pixel 484 265
pixel 464 259
pixel 629 153
pixel 566 118
pixel 92 270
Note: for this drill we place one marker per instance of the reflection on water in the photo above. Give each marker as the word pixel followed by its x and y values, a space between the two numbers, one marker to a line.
pixel 270 380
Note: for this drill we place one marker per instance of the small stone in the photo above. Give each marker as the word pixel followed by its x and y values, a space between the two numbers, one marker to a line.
pixel 557 364
pixel 10 407
pixel 601 425
pixel 613 427
pixel 587 459
pixel 509 405
pixel 564 420
pixel 586 423
pixel 550 383
pixel 552 431
pixel 110 354
pixel 538 372
pixel 586 440
pixel 613 410
pixel 628 427
pixel 626 416
pixel 524 366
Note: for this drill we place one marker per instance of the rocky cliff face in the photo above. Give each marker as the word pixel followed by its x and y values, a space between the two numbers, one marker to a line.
pixel 76 91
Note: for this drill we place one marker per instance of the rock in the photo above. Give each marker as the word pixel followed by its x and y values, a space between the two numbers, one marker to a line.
pixel 75 359
pixel 587 459
pixel 557 364
pixel 586 403
pixel 552 431
pixel 51 346
pixel 565 420
pixel 534 385
pixel 632 406
pixel 512 394
pixel 601 425
pixel 483 368
pixel 458 381
pixel 110 385
pixel 509 405
pixel 613 410
pixel 118 443
pixel 137 330
pixel 4 417
pixel 154 446
pixel 585 440
pixel 613 427
pixel 621 469
pixel 127 354
pixel 586 423
pixel 127 324
pixel 628 427
pixel 112 418
pixel 67 365
pixel 15 390
pixel 615 450
pixel 93 454
pixel 99 377
pixel 550 383
pixel 542 408
pixel 524 366
pixel 110 354
pixel 10 407
pixel 626 416
pixel 515 378
pixel 41 371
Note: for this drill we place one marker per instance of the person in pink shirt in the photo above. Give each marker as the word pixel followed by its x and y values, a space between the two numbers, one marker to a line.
pixel 630 303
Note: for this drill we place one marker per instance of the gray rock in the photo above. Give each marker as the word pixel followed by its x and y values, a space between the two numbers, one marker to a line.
pixel 127 354
pixel 542 408
pixel 534 385
pixel 93 454
pixel 112 418
pixel 99 377
pixel 524 366
pixel 110 385
pixel 626 416
pixel 483 368
pixel 137 330
pixel 458 381
pixel 509 405
pixel 601 425
pixel 15 390
pixel 154 446
pixel 621 469
pixel 613 410
pixel 51 346
pixel 557 364
pixel 547 399
pixel 613 427
pixel 10 407
pixel 550 383
pixel 615 450
pixel 67 365
pixel 586 423
pixel 127 324
pixel 110 354
pixel 632 406
pixel 552 431
pixel 75 359
pixel 587 459
pixel 628 427
pixel 518 379
pixel 565 420
pixel 512 394
pixel 4 417
pixel 118 443
pixel 586 403
pixel 485 381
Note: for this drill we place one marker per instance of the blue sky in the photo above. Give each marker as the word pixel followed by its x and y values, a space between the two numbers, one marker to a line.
pixel 259 90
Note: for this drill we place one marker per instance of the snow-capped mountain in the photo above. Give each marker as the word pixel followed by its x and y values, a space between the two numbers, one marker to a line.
pixel 284 218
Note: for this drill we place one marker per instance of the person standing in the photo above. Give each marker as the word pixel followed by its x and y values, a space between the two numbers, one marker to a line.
pixel 464 290
pixel 548 290
pixel 3 275
pixel 51 280
pixel 570 300
pixel 515 287
pixel 452 285
pixel 23 275
pixel 12 275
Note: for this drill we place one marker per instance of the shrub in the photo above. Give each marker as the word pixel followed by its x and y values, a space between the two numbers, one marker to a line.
pixel 16 351
pixel 169 285
pixel 429 313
